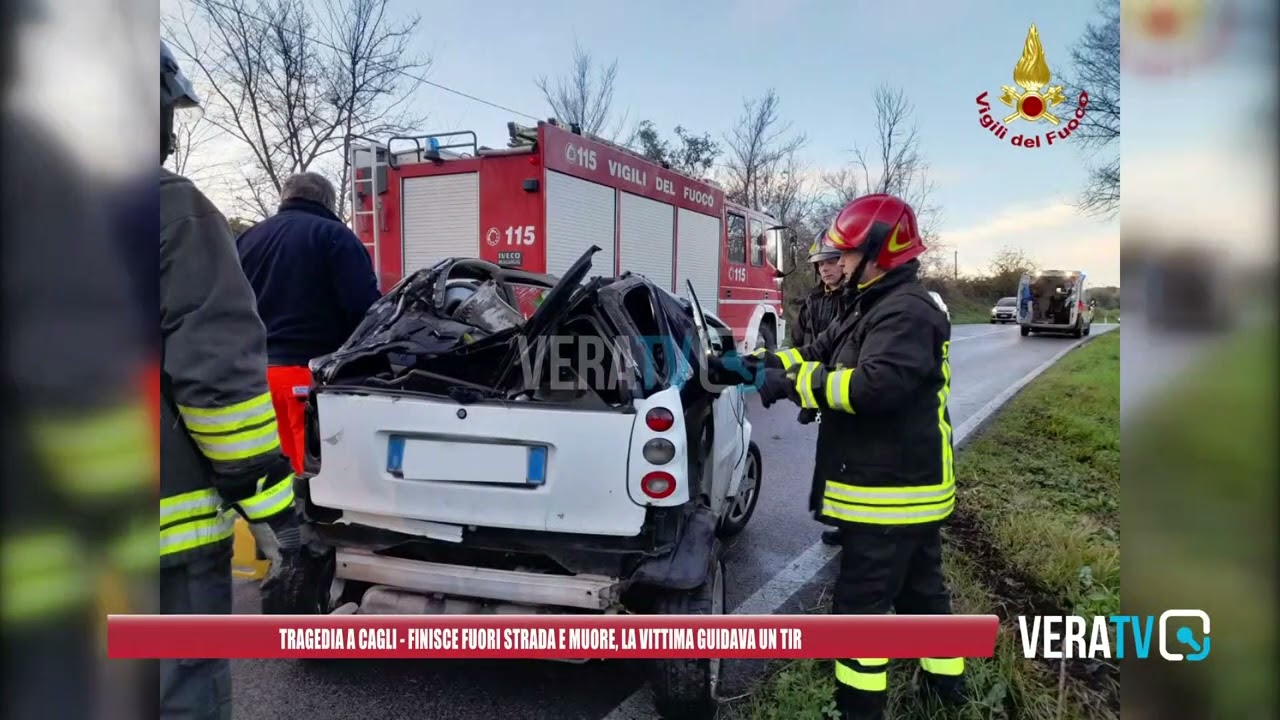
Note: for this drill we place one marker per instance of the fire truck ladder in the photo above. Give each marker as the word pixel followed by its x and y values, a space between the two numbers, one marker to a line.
pixel 367 160
pixel 429 148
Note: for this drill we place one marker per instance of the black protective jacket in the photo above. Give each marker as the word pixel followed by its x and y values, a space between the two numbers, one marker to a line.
pixel 818 309
pixel 880 375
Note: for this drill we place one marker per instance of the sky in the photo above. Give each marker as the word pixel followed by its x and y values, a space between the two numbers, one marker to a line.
pixel 692 64
pixel 1188 150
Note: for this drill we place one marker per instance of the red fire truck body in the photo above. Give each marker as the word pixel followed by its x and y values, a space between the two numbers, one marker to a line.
pixel 539 204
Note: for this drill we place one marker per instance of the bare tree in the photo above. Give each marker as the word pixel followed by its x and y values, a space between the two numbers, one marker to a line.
pixel 289 79
pixel 1095 61
pixel 584 97
pixel 893 164
pixel 190 132
pixel 761 147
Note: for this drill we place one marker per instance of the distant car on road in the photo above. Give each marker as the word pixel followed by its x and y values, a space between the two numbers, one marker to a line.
pixel 1005 311
pixel 941 305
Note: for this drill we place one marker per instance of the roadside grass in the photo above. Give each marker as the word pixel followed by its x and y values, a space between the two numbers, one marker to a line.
pixel 1003 687
pixel 1040 491
pixel 1044 480
pixel 964 312
pixel 1200 469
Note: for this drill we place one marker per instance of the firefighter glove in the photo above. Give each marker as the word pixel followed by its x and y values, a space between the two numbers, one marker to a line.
pixel 281 541
pixel 777 385
pixel 280 534
pixel 733 369
pixel 807 416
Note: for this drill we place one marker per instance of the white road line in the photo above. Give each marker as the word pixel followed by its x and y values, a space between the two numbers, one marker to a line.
pixel 955 340
pixel 775 593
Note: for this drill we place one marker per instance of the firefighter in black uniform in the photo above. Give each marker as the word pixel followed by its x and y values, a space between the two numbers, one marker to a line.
pixel 818 310
pixel 821 306
pixel 884 474
pixel 219 445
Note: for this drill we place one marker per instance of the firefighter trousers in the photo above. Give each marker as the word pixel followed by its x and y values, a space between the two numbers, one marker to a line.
pixel 879 573
pixel 196 689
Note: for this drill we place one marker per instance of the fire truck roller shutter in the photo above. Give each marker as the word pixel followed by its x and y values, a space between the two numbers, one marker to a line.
pixel 440 219
pixel 579 214
pixel 646 237
pixel 698 256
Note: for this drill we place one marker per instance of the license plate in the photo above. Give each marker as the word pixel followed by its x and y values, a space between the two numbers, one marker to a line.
pixel 428 460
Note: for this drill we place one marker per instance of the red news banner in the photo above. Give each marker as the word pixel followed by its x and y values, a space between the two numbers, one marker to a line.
pixel 549 636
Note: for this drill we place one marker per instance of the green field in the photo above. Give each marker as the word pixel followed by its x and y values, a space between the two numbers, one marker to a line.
pixel 1036 532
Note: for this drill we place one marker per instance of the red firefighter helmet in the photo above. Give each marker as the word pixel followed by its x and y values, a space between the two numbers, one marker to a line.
pixel 882 226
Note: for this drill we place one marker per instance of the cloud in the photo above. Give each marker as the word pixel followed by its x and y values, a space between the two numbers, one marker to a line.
pixel 1203 193
pixel 1052 233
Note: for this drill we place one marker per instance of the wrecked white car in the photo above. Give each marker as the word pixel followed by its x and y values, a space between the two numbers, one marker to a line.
pixel 465 456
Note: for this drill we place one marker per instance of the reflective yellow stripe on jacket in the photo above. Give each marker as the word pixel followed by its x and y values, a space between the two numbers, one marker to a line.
pixel 193 520
pixel 909 505
pixel 43 575
pixel 789 357
pixel 269 500
pixel 236 432
pixel 107 454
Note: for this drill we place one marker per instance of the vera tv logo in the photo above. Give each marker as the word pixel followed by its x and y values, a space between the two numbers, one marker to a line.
pixel 1183 635
pixel 1036 103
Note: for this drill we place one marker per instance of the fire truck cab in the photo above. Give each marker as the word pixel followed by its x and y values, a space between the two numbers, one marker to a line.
pixel 551 194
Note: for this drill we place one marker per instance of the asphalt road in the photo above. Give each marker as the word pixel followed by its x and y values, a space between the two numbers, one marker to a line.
pixel 771 567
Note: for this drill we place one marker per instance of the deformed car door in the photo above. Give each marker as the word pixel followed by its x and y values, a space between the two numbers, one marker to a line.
pixel 730 413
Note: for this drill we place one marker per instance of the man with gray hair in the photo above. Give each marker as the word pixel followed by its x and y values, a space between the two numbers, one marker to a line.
pixel 314 282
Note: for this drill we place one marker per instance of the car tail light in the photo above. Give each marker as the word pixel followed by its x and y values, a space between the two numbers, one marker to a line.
pixel 659 451
pixel 658 485
pixel 659 419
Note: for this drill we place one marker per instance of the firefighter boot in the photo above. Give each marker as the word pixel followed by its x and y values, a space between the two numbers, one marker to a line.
pixel 859 705
pixel 947 689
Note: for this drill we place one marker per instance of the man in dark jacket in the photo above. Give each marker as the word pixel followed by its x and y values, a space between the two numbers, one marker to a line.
pixel 314 283
pixel 821 306
pixel 818 310
pixel 884 475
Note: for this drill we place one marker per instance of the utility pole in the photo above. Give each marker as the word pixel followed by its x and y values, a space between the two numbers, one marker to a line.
pixel 955 271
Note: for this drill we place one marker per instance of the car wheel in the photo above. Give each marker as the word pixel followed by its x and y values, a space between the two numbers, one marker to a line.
pixel 743 505
pixel 1025 331
pixel 1077 331
pixel 685 688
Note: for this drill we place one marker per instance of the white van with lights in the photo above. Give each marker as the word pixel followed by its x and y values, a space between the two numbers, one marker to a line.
pixel 1053 301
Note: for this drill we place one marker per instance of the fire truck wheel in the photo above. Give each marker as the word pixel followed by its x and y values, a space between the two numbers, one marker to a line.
pixel 685 689
pixel 766 338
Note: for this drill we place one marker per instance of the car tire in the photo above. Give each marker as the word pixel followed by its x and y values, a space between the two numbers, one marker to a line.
pixel 1078 331
pixel 1025 331
pixel 685 688
pixel 735 517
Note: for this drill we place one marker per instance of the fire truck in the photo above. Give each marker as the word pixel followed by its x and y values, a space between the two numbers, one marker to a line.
pixel 539 203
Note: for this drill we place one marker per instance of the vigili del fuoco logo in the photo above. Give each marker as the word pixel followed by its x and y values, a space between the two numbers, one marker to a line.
pixel 1036 104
